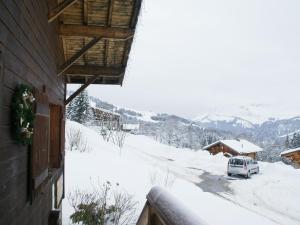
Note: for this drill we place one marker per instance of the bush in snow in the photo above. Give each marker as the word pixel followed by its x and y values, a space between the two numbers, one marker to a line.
pixel 119 138
pixel 76 141
pixel 116 136
pixel 103 205
pixel 167 180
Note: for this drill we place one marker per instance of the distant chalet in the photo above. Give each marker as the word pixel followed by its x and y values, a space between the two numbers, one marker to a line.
pixel 131 128
pixel 106 118
pixel 293 155
pixel 233 148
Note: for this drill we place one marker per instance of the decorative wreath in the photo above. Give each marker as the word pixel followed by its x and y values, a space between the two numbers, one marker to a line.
pixel 23 114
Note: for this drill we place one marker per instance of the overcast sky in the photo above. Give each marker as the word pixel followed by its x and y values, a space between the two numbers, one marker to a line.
pixel 192 56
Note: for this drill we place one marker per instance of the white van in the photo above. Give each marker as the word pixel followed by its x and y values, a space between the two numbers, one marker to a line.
pixel 242 165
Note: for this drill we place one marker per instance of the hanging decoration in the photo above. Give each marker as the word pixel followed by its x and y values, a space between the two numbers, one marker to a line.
pixel 23 114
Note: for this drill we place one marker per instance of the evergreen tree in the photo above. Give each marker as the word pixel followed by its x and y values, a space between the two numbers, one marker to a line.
pixel 287 142
pixel 297 141
pixel 294 140
pixel 71 110
pixel 79 108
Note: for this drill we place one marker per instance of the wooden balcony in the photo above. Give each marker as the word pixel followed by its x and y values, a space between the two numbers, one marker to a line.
pixel 162 208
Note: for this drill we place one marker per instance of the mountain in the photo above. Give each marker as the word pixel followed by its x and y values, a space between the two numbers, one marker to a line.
pixel 165 128
pixel 196 133
pixel 226 123
pixel 278 129
pixel 253 113
pixel 269 130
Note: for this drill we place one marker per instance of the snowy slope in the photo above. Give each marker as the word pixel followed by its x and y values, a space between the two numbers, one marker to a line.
pixel 189 175
pixel 145 116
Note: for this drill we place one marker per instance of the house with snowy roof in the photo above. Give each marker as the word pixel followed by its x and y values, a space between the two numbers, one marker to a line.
pixel 106 118
pixel 293 155
pixel 130 128
pixel 234 147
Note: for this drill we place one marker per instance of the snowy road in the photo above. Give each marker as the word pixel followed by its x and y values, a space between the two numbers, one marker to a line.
pixel 220 185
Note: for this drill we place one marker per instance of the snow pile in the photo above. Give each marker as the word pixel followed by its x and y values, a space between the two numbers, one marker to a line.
pixel 270 198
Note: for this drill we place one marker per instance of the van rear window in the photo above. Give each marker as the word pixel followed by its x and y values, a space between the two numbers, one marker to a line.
pixel 236 162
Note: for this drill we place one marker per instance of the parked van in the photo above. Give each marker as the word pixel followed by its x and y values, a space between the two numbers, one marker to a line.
pixel 242 165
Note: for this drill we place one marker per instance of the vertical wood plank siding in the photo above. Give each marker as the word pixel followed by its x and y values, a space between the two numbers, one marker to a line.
pixel 30 53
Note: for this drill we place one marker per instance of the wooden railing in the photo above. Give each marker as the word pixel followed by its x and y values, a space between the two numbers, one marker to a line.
pixel 162 208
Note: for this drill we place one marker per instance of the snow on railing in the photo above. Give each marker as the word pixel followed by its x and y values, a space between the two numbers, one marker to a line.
pixel 162 208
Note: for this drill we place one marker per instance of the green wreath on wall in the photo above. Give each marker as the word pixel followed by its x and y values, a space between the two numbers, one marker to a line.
pixel 23 114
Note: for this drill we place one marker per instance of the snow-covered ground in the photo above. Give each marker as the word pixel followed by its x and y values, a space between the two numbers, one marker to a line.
pixel 196 178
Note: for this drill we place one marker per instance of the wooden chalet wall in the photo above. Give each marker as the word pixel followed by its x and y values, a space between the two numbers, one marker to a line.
pixel 30 52
pixel 251 154
pixel 294 157
pixel 215 149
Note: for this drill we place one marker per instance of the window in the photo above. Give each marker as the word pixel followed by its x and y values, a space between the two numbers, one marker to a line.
pixel 236 162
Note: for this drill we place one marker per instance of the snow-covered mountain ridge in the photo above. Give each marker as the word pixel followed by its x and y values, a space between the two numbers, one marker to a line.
pixel 196 133
pixel 253 113
pixel 215 119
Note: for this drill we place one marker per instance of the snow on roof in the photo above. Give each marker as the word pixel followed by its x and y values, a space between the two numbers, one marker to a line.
pixel 238 145
pixel 290 151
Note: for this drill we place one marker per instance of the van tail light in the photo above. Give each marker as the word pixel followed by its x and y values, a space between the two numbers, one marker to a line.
pixel 245 166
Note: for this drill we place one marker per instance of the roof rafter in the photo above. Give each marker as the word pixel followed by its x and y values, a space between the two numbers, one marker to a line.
pixel 95 31
pixel 95 70
pixel 90 81
pixel 54 13
pixel 77 55
pixel 109 14
pixel 85 12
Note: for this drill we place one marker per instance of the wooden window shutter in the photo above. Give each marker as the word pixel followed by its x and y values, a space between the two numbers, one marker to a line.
pixel 55 136
pixel 40 146
pixel 62 133
pixel 1 74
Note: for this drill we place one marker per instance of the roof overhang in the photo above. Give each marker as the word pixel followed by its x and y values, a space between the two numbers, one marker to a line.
pixel 96 38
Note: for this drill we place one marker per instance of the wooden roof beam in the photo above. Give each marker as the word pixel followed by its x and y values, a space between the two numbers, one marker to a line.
pixel 109 14
pixel 75 57
pixel 95 31
pixel 95 70
pixel 54 13
pixel 90 81
pixel 85 12
pixel 135 12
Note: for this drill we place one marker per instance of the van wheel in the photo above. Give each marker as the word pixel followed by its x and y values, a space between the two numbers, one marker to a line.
pixel 229 174
pixel 257 172
pixel 248 174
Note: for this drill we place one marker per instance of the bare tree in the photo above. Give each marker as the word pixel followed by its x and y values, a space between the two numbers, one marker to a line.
pixel 118 138
pixel 76 140
pixel 167 180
